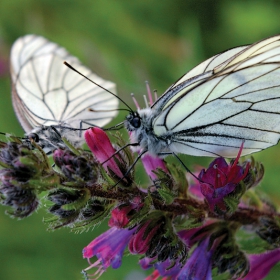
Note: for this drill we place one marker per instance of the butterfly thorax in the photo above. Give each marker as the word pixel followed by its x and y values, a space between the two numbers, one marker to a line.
pixel 139 125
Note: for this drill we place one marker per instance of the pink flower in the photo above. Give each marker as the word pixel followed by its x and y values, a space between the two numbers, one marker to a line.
pixel 122 214
pixel 101 147
pixel 151 164
pixel 140 242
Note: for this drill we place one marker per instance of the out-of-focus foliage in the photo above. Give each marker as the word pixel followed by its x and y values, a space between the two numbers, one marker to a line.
pixel 127 42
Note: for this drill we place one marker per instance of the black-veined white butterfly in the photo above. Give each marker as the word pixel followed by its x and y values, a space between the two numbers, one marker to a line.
pixel 230 98
pixel 46 93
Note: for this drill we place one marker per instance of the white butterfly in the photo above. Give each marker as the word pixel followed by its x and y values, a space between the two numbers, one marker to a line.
pixel 47 93
pixel 231 97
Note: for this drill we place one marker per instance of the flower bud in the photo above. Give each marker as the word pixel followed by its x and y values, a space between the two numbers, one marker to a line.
pixel 104 152
pixel 75 166
pixel 255 173
pixel 269 230
pixel 26 173
pixel 22 199
pixel 124 213
pixel 156 238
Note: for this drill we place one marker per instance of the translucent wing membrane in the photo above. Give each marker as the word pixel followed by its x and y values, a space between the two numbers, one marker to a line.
pixel 45 92
pixel 234 96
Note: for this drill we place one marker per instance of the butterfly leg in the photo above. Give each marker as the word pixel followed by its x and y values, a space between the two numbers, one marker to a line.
pixel 182 163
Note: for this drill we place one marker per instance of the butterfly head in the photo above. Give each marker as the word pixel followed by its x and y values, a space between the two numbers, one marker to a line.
pixel 133 121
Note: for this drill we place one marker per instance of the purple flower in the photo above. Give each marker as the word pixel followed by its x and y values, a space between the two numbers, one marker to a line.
pixel 167 268
pixel 221 179
pixel 199 265
pixel 261 264
pixel 108 248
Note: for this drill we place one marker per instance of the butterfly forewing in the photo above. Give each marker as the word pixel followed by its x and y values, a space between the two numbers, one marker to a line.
pixel 238 101
pixel 195 76
pixel 265 51
pixel 209 64
pixel 46 92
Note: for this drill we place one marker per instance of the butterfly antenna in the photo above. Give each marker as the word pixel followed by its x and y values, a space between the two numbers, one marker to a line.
pixel 115 127
pixel 188 170
pixel 119 150
pixel 31 135
pixel 72 68
pixel 182 163
pixel 112 110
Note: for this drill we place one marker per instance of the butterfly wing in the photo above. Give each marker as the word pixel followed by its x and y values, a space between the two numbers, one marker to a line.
pixel 46 92
pixel 198 74
pixel 238 99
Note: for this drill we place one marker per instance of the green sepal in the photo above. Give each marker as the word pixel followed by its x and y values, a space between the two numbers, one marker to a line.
pixel 12 138
pixel 180 179
pixel 45 183
pixel 125 152
pixel 41 155
pixel 72 148
pixel 33 165
pixel 78 203
pixel 255 174
pixel 251 199
pixel 231 203
pixel 142 214
pixel 167 195
pixel 84 225
pixel 108 180
pixel 183 223
pixel 251 243
pixel 4 165
pixel 165 186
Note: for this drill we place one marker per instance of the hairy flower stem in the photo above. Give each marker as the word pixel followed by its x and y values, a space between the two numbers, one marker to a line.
pixel 244 216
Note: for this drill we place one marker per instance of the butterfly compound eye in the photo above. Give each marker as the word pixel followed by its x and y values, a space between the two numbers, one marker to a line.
pixel 136 122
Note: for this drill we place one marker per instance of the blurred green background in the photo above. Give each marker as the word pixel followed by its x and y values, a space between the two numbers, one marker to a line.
pixel 127 42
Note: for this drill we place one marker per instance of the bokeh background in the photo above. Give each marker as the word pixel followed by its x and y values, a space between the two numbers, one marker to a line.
pixel 127 42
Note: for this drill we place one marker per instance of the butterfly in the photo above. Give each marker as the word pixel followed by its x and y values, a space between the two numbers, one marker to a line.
pixel 230 98
pixel 49 99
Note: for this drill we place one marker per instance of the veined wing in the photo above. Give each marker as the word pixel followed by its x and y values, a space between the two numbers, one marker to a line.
pixel 239 101
pixel 195 76
pixel 46 92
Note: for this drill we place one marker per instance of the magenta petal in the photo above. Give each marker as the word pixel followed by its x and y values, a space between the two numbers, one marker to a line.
pixel 164 268
pixel 207 190
pixel 152 163
pixel 210 175
pixel 109 247
pixel 261 264
pixel 146 262
pixel 101 147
